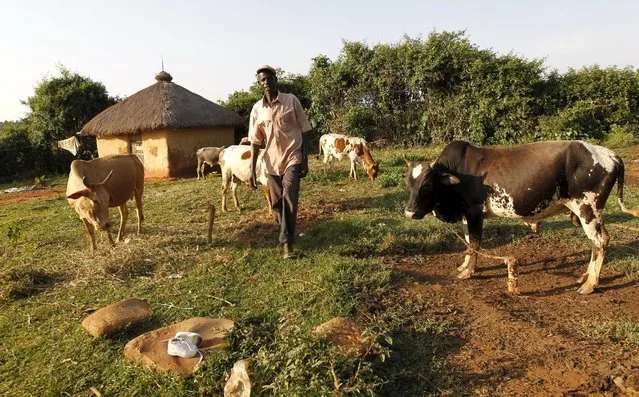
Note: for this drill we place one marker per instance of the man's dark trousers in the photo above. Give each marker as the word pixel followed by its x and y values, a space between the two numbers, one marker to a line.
pixel 285 193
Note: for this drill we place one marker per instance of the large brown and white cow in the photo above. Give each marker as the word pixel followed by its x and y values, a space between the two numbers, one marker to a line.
pixel 110 181
pixel 530 182
pixel 338 146
pixel 206 155
pixel 235 162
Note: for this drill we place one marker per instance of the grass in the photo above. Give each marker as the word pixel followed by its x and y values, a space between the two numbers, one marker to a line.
pixel 351 235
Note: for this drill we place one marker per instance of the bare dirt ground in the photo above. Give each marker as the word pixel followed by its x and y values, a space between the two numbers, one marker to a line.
pixel 533 344
pixel 10 198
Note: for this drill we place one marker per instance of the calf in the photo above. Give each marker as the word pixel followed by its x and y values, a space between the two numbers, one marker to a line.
pixel 109 181
pixel 530 182
pixel 338 146
pixel 207 155
pixel 236 165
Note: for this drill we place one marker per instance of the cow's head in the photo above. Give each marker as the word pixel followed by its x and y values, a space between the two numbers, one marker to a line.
pixel 92 203
pixel 372 171
pixel 424 184
pixel 371 167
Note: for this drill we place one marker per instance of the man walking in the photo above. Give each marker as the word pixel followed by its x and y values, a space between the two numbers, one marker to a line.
pixel 278 119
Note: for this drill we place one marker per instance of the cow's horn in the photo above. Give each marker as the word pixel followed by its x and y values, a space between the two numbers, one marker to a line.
pixel 406 160
pixel 107 178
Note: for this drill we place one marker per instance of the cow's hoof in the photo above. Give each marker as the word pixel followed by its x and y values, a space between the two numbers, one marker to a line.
pixel 586 289
pixel 582 278
pixel 513 287
pixel 462 267
pixel 465 274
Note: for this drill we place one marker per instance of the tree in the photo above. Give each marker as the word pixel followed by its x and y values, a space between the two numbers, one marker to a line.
pixel 59 108
pixel 15 150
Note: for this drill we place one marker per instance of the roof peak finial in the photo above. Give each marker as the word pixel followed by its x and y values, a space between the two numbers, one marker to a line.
pixel 163 76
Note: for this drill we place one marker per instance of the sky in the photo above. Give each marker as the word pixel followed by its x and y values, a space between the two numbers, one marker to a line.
pixel 213 47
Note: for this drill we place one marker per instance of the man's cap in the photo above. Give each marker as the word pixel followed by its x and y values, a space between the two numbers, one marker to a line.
pixel 266 67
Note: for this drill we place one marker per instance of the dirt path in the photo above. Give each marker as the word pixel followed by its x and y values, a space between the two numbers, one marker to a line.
pixel 535 344
pixel 10 198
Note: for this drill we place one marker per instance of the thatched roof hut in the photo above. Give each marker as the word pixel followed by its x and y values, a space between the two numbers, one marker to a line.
pixel 164 124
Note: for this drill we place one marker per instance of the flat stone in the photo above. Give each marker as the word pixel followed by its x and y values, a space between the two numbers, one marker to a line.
pixel 116 317
pixel 150 349
pixel 346 334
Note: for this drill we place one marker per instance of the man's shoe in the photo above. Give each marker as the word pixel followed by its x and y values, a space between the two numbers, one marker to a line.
pixel 288 251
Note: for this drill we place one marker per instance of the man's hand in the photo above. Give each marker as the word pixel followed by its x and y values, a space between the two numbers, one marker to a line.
pixel 306 144
pixel 252 180
pixel 304 167
pixel 255 150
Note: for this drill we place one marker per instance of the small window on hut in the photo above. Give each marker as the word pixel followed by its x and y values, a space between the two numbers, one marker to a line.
pixel 135 142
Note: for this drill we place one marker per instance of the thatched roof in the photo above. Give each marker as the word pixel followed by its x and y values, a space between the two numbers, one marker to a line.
pixel 161 105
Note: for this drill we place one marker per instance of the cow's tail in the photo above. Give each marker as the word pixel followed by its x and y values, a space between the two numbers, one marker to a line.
pixel 320 150
pixel 620 180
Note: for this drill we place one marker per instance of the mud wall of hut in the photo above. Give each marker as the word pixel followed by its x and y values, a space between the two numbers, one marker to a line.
pixel 154 145
pixel 156 154
pixel 112 145
pixel 184 142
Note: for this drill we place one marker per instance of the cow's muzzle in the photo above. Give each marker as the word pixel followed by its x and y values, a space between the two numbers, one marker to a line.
pixel 414 214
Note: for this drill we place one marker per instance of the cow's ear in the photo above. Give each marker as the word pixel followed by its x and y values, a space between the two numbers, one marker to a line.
pixel 79 194
pixel 449 179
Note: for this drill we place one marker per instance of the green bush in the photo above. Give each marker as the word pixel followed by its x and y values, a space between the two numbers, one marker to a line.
pixel 621 136
pixel 582 120
pixel 390 178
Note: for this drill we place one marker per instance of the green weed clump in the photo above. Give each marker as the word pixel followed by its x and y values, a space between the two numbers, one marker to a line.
pixel 287 360
pixel 24 281
pixel 617 331
pixel 621 137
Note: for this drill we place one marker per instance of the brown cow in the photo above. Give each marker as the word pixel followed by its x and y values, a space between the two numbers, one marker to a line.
pixel 98 184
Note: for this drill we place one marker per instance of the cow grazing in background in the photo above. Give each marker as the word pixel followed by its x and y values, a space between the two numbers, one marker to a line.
pixel 109 181
pixel 207 155
pixel 530 182
pixel 337 146
pixel 235 162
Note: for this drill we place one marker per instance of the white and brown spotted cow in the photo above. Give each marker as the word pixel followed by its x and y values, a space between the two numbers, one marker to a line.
pixel 530 182
pixel 235 162
pixel 337 146
pixel 98 184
